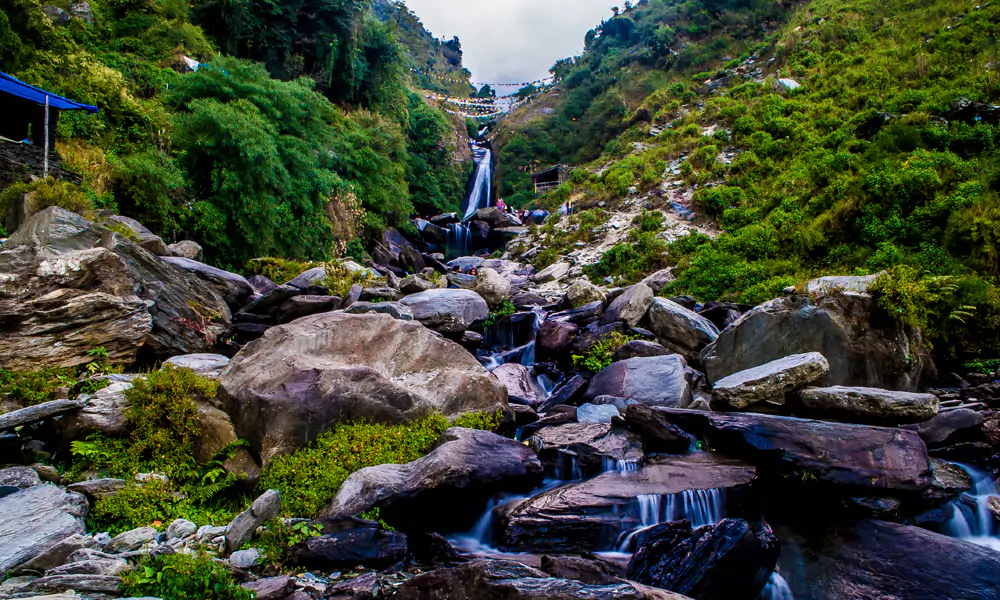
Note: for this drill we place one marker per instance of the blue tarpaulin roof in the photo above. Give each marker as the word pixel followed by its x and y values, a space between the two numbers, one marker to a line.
pixel 22 90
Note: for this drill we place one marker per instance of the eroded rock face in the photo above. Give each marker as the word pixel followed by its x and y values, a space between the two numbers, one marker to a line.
pixel 591 514
pixel 489 579
pixel 731 559
pixel 866 405
pixel 465 470
pixel 233 288
pixel 447 311
pixel 35 520
pixel 68 285
pixel 769 381
pixel 657 381
pixel 588 444
pixel 863 460
pixel 876 559
pixel 519 383
pixel 299 379
pixel 863 347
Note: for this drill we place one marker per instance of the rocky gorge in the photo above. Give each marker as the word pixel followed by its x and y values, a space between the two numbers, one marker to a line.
pixel 789 450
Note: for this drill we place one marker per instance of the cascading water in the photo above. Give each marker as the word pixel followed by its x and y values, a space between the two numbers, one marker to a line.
pixel 459 241
pixel 700 507
pixel 482 182
pixel 971 519
pixel 777 589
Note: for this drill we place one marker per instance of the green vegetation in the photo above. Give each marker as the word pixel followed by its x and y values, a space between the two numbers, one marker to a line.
pixel 559 241
pixel 504 309
pixel 278 270
pixel 48 193
pixel 29 388
pixel 183 577
pixel 641 253
pixel 871 165
pixel 163 429
pixel 339 279
pixel 309 478
pixel 278 536
pixel 314 146
pixel 597 357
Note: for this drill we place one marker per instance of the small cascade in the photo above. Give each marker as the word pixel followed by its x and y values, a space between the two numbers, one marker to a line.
pixel 568 468
pixel 458 242
pixel 971 519
pixel 700 507
pixel 479 540
pixel 777 589
pixel 623 465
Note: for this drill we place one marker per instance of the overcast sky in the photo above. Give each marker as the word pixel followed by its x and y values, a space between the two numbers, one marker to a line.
pixel 512 40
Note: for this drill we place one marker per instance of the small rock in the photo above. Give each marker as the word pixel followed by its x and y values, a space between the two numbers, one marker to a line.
pixel 245 559
pixel 180 529
pixel 184 249
pixel 552 272
pixel 769 381
pixel 134 539
pixel 242 528
pixel 595 413
pixel 19 477
pixel 583 292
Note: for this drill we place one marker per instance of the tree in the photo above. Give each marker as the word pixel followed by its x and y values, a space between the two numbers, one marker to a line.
pixel 486 92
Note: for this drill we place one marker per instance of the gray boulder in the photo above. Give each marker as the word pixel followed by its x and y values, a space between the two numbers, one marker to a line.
pixel 35 520
pixel 134 539
pixel 657 381
pixel 448 311
pixel 768 382
pixel 144 237
pixel 72 285
pixel 682 330
pixel 104 412
pixel 657 281
pixel 305 305
pixel 862 347
pixel 40 412
pixel 241 529
pixel 382 294
pixel 553 272
pixel 285 388
pixel 310 278
pixel 19 477
pixel 396 310
pixel 96 489
pixel 519 383
pixel 491 286
pixel 583 292
pixel 465 470
pixel 187 249
pixel 233 288
pixel 639 349
pixel 840 284
pixel 206 365
pixel 630 307
pixel 414 285
pixel 866 405
pixel 597 413
pixel 180 529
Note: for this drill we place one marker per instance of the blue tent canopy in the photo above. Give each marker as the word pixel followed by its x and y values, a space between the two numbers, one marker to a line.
pixel 20 89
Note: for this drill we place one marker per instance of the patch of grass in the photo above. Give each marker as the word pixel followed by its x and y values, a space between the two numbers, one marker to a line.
pixel 598 357
pixel 50 192
pixel 340 279
pixel 278 270
pixel 122 230
pixel 504 309
pixel 309 478
pixel 183 577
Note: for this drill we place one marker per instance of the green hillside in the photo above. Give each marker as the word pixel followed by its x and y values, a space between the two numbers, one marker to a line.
pixel 885 159
pixel 298 134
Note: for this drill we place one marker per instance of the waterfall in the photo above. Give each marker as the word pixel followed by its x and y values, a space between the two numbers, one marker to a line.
pixel 459 241
pixel 482 182
pixel 971 518
pixel 623 465
pixel 777 589
pixel 700 507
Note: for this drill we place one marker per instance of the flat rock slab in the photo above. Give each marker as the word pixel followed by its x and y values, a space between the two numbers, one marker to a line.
pixel 448 311
pixel 589 445
pixel 206 365
pixel 769 381
pixel 866 460
pixel 35 520
pixel 888 561
pixel 866 405
pixel 590 515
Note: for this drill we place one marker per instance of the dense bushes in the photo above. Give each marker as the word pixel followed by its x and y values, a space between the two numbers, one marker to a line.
pixel 183 577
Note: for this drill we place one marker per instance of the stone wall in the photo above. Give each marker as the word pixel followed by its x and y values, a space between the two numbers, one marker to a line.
pixel 19 162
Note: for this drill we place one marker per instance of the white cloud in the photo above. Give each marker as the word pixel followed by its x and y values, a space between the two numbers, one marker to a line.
pixel 512 40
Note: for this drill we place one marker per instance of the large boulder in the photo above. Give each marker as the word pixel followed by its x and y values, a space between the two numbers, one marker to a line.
pixel 301 378
pixel 876 559
pixel 35 520
pixel 591 515
pixel 682 330
pixel 465 470
pixel 657 381
pixel 233 288
pixel 866 405
pixel 768 382
pixel 68 285
pixel 494 217
pixel 864 346
pixel 492 287
pixel 730 560
pixel 348 543
pixel 583 292
pixel 491 579
pixel 521 386
pixel 448 311
pixel 103 413
pixel 857 458
pixel 629 307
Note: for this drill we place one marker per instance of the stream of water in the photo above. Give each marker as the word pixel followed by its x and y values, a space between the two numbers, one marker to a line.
pixel 971 519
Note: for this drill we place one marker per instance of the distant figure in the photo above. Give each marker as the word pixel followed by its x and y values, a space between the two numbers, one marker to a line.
pixel 474 272
pixel 501 205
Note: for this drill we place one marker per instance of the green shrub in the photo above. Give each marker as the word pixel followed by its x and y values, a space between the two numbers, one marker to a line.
pixel 598 357
pixel 29 388
pixel 309 478
pixel 50 192
pixel 183 577
pixel 504 309
pixel 278 270
pixel 339 279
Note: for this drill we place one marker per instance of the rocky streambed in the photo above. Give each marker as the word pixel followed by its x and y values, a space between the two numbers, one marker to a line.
pixel 790 450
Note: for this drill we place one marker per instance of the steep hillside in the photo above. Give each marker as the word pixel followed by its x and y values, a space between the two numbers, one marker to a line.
pixel 879 154
pixel 297 134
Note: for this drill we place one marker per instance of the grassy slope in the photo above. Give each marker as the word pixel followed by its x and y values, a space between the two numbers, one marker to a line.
pixel 811 190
